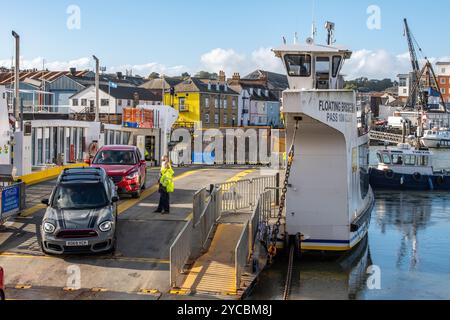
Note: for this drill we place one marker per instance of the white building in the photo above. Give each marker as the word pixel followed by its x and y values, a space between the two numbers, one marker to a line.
pixel 404 85
pixel 112 100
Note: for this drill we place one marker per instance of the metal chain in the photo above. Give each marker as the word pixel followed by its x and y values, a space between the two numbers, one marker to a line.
pixel 276 230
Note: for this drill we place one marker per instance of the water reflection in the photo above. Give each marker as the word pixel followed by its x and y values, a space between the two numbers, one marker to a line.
pixel 408 239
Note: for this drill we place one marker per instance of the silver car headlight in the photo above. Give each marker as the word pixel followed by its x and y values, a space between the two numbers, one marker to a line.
pixel 49 227
pixel 105 226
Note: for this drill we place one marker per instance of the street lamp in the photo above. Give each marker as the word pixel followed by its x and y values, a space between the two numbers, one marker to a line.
pixel 97 89
pixel 16 108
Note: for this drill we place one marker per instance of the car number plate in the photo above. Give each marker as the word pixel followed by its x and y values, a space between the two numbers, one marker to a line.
pixel 77 243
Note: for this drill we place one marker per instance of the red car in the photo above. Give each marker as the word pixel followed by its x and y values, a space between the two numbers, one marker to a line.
pixel 2 285
pixel 125 166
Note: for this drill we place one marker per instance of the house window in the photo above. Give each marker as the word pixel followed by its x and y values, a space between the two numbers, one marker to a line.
pixel 75 102
pixel 443 81
pixel 129 103
pixel 234 103
pixel 443 70
pixel 225 119
pixel 206 102
pixel 216 104
pixel 216 118
pixel 206 118
pixel 182 104
pixel 405 91
pixel 119 102
pixel 84 102
pixel 225 103
pixel 443 90
pixel 104 102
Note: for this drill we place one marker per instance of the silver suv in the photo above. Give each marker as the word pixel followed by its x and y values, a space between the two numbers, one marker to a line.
pixel 82 213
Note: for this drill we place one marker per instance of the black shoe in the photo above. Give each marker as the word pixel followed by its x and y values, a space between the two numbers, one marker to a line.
pixel 165 212
pixel 157 211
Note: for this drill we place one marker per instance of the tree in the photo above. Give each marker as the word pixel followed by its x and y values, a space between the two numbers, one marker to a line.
pixel 185 75
pixel 154 75
pixel 207 75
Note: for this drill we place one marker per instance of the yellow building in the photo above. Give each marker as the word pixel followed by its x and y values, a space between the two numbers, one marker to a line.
pixel 209 103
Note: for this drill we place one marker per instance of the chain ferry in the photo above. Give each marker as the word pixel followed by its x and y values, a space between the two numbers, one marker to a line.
pixel 329 200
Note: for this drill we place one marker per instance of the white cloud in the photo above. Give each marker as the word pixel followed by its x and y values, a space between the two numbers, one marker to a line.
pixel 223 59
pixel 38 63
pixel 265 59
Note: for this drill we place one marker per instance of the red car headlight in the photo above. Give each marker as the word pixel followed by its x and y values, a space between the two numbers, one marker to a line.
pixel 132 175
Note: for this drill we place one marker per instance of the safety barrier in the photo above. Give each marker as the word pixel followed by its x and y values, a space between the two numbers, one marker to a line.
pixel 208 218
pixel 199 204
pixel 244 194
pixel 242 255
pixel 180 252
pixel 13 199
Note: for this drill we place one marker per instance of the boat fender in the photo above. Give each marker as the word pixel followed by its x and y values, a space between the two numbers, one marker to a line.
pixel 402 180
pixel 430 182
pixel 417 177
pixel 440 180
pixel 389 174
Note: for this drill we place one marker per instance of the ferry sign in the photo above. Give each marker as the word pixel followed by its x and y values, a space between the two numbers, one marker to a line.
pixel 337 111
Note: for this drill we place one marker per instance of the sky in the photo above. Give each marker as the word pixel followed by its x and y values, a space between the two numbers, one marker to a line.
pixel 178 36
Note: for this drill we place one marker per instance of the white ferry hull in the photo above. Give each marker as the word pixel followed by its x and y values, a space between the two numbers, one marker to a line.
pixel 326 203
pixel 436 143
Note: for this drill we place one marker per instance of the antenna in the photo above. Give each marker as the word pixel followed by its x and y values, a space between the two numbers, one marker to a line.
pixel 296 38
pixel 284 40
pixel 330 29
pixel 313 27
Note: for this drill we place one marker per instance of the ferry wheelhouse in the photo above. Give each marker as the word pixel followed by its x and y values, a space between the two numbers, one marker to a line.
pixel 329 200
pixel 406 168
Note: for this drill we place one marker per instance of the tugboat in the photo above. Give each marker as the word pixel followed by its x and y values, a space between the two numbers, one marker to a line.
pixel 436 138
pixel 329 200
pixel 407 168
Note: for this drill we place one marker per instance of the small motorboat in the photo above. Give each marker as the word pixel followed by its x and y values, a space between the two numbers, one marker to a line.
pixel 407 168
pixel 436 138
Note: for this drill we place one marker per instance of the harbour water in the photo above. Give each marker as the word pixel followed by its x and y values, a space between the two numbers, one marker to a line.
pixel 407 246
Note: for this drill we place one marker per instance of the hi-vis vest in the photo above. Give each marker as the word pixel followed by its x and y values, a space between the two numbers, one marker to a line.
pixel 167 179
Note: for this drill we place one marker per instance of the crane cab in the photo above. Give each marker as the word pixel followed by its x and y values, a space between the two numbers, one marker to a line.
pixel 313 66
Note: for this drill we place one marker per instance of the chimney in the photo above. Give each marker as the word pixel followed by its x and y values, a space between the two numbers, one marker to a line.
pixel 119 75
pixel 222 76
pixel 73 71
pixel 236 76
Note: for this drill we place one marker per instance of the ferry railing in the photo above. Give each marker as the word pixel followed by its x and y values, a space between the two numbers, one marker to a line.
pixel 199 204
pixel 242 254
pixel 208 219
pixel 180 251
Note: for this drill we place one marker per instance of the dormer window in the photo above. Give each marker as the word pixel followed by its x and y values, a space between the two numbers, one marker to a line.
pixel 298 65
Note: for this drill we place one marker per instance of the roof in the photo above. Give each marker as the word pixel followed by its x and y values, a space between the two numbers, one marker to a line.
pixel 158 83
pixel 119 147
pixel 442 63
pixel 262 96
pixel 207 86
pixel 48 76
pixel 125 93
pixel 306 48
pixel 276 80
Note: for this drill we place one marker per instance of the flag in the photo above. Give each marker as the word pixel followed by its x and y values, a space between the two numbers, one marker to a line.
pixel 113 85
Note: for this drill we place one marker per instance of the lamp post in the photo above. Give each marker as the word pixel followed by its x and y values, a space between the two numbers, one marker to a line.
pixel 97 89
pixel 17 111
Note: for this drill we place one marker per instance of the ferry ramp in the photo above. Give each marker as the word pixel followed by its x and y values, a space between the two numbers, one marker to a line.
pixel 223 269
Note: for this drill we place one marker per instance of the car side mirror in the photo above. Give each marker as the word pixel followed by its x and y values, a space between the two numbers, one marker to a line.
pixel 115 199
pixel 143 162
pixel 87 161
pixel 45 202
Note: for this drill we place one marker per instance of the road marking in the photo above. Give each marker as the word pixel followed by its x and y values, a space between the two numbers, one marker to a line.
pixel 30 211
pixel 179 292
pixel 23 286
pixel 241 175
pixel 125 259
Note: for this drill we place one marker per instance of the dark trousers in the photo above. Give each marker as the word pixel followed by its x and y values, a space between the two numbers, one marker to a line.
pixel 164 200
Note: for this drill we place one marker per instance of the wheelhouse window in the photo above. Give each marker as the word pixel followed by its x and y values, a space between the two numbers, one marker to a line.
pixel 386 159
pixel 410 160
pixel 397 159
pixel 423 161
pixel 336 65
pixel 298 65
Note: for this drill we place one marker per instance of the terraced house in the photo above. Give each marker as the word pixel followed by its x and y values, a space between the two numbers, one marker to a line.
pixel 211 103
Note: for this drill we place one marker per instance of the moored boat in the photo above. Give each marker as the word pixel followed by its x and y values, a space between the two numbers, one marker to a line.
pixel 407 168
pixel 436 138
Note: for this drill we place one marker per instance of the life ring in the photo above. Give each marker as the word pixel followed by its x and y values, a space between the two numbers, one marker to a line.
pixel 389 174
pixel 440 180
pixel 417 177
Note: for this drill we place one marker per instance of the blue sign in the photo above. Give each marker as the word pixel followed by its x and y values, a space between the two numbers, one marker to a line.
pixel 11 199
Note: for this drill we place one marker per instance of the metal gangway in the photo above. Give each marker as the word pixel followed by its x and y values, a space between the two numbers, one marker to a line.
pixel 386 137
pixel 226 222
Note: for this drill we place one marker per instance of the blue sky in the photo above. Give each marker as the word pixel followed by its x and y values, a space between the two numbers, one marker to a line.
pixel 180 35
